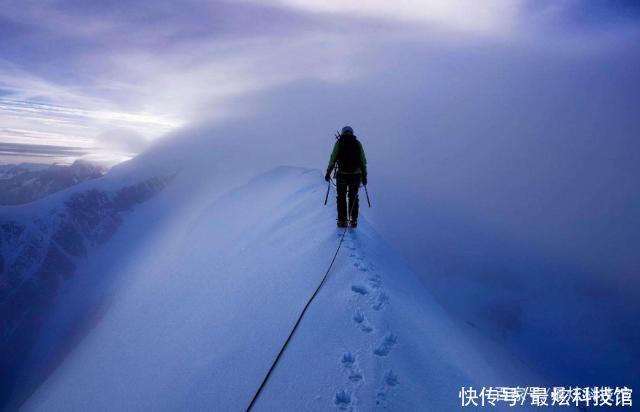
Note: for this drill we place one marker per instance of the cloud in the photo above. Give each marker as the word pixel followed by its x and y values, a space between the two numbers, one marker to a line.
pixel 150 75
pixel 76 71
pixel 459 15
pixel 123 139
pixel 27 119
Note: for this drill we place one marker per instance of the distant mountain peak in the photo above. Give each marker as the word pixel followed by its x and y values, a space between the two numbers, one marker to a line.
pixel 24 183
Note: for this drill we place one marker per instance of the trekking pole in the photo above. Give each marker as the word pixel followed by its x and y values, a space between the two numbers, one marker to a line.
pixel 326 197
pixel 367 193
pixel 329 187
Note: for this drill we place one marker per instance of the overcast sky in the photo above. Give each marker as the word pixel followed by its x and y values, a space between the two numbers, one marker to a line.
pixel 115 75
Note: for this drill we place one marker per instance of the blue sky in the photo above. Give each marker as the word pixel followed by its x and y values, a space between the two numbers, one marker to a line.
pixel 111 77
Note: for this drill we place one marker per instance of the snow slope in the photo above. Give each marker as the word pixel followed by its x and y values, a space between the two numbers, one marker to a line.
pixel 206 296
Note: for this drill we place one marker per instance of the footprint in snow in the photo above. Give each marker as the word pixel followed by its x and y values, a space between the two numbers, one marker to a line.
pixel 388 343
pixel 348 361
pixel 361 320
pixel 343 400
pixel 381 301
pixel 374 282
pixel 359 289
pixel 389 381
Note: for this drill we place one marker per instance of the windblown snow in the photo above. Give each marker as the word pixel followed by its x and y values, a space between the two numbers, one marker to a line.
pixel 204 282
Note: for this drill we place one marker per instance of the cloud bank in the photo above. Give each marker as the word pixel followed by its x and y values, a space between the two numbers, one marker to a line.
pixel 73 71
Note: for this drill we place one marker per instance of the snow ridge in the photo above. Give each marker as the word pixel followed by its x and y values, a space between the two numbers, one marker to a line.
pixel 208 299
pixel 295 326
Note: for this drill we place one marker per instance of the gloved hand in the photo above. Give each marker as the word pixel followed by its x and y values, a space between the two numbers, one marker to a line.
pixel 364 180
pixel 327 177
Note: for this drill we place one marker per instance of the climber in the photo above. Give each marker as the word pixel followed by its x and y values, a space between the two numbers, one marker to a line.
pixel 348 156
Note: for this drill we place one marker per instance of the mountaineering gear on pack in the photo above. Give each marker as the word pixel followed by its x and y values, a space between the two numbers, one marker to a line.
pixel 347 130
pixel 347 187
pixel 349 156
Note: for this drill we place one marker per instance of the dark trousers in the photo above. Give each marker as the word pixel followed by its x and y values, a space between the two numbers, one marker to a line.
pixel 347 187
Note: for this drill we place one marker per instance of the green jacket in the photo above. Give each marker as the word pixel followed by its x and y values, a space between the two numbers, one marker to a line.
pixel 336 157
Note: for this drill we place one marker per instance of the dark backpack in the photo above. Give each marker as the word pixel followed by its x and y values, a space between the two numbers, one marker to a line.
pixel 349 154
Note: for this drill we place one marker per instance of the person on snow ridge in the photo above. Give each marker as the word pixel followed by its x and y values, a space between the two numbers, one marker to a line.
pixel 351 162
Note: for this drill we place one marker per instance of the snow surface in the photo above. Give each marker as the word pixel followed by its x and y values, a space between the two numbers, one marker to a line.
pixel 202 308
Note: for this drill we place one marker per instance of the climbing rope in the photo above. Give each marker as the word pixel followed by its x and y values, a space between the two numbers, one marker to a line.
pixel 324 278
